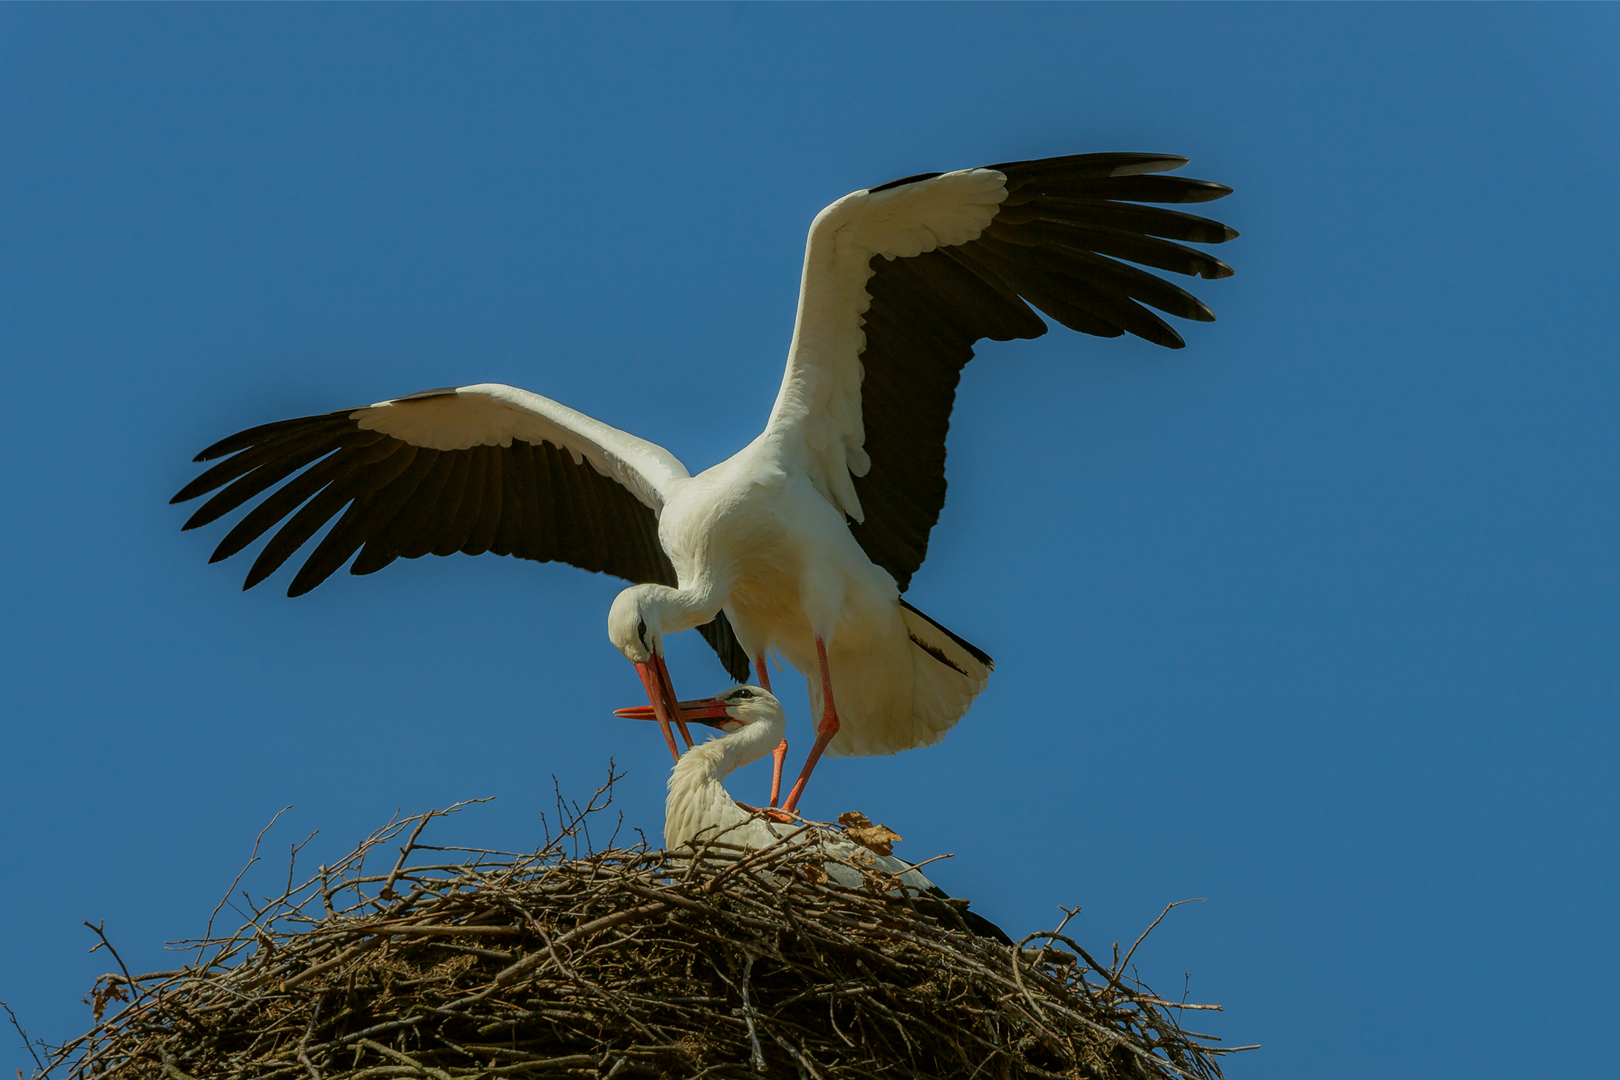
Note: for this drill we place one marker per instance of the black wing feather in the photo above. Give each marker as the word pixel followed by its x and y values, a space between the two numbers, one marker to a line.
pixel 511 519
pixel 457 514
pixel 393 539
pixel 1054 245
pixel 269 434
pixel 265 475
pixel 275 448
pixel 439 519
pixel 344 539
pixel 1142 220
pixel 325 503
pixel 394 500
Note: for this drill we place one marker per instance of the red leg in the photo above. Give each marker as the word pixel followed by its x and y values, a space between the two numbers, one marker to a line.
pixel 824 731
pixel 780 753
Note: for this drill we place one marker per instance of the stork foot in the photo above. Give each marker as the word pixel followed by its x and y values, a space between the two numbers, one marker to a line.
pixel 780 816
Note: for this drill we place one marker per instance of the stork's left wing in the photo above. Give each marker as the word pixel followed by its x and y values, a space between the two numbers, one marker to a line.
pixel 462 469
pixel 901 280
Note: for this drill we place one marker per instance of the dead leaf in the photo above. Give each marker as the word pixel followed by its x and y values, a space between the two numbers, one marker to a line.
pixel 101 994
pixel 876 838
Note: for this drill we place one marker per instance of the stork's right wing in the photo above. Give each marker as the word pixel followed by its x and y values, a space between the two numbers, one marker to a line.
pixel 901 280
pixel 463 469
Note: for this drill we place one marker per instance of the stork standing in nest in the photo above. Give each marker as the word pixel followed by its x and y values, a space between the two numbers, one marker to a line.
pixel 804 541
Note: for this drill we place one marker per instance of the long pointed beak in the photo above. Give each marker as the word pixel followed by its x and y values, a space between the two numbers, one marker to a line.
pixel 710 711
pixel 670 704
pixel 661 692
pixel 657 711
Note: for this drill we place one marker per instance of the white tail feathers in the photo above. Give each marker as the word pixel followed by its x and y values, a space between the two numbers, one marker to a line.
pixel 950 674
pixel 947 674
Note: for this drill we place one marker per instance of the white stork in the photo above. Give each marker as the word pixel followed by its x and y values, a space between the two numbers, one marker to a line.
pixel 698 808
pixel 804 541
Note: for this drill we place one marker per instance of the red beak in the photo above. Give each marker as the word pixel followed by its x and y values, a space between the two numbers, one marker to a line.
pixel 710 711
pixel 661 692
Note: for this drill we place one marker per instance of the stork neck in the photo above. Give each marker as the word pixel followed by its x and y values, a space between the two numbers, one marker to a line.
pixel 684 608
pixel 716 759
pixel 697 798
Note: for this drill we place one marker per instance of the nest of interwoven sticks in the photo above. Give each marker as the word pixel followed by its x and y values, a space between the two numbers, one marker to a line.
pixel 621 962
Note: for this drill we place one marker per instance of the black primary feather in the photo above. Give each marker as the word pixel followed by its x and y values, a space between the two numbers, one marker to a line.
pixel 393 500
pixel 1063 242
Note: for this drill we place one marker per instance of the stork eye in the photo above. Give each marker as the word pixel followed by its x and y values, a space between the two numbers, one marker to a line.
pixel 641 632
pixel 742 694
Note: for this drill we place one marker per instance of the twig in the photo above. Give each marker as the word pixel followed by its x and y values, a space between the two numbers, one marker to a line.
pixel 404 1059
pixel 303 1043
pixel 134 990
pixel 208 932
pixel 292 860
pixel 1123 964
pixel 925 862
pixel 756 1056
pixel 27 1043
pixel 799 1058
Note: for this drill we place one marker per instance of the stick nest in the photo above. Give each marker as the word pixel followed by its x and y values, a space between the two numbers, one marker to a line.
pixel 621 962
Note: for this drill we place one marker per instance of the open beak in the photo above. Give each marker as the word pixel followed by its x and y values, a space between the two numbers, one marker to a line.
pixel 661 693
pixel 710 711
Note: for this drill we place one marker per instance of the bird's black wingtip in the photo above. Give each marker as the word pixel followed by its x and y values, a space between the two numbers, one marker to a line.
pixel 983 927
pixel 1147 163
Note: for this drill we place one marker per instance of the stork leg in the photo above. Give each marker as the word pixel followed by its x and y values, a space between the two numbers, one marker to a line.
pixel 824 731
pixel 780 753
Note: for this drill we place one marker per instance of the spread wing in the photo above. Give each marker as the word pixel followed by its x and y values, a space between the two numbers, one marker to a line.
pixel 901 280
pixel 469 469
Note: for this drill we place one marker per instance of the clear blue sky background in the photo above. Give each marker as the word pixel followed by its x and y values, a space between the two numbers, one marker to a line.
pixel 1316 619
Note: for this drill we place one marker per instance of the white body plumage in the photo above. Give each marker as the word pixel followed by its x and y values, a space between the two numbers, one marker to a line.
pixel 699 808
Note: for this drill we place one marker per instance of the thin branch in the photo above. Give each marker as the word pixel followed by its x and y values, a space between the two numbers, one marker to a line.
pixel 208 932
pixel 96 927
pixel 27 1042
pixel 1151 926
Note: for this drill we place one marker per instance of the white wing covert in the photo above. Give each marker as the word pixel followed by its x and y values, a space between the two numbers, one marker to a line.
pixel 819 405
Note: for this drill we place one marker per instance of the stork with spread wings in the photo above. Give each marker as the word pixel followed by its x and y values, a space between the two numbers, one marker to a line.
pixel 803 541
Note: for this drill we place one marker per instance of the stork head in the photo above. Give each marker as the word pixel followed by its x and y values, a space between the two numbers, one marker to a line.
pixel 636 624
pixel 742 706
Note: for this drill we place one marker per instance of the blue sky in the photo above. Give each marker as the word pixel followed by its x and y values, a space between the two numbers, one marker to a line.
pixel 1316 618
